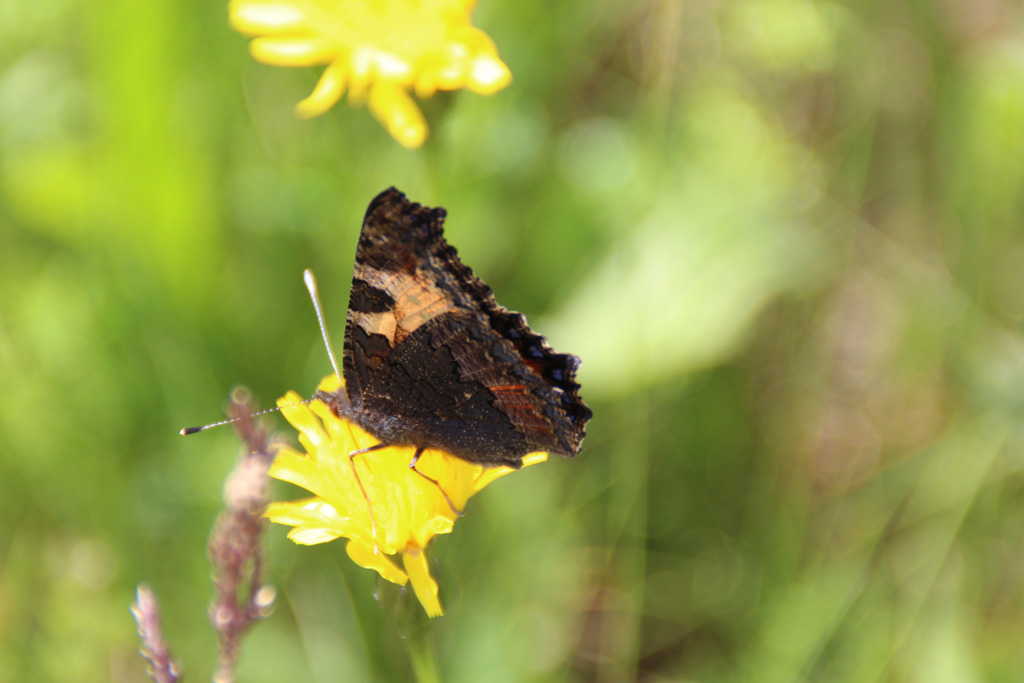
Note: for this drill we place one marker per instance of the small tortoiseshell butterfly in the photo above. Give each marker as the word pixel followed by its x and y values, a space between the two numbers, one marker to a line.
pixel 431 360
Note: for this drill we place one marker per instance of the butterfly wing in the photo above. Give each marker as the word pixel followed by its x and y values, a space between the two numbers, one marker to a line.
pixel 431 359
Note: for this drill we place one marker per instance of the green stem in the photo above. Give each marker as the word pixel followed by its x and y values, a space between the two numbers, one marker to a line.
pixel 421 653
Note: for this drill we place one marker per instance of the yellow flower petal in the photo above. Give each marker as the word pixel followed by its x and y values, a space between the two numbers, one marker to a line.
pixel 330 383
pixel 426 589
pixel 397 112
pixel 312 521
pixel 292 51
pixel 311 535
pixel 488 75
pixel 327 92
pixel 474 39
pixel 487 475
pixel 426 83
pixel 307 511
pixel 534 458
pixel 299 414
pixel 293 467
pixel 265 17
pixel 365 556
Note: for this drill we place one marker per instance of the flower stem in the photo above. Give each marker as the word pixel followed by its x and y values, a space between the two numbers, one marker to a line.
pixel 421 654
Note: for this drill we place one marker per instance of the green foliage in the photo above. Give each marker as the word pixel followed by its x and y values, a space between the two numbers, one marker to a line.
pixel 784 236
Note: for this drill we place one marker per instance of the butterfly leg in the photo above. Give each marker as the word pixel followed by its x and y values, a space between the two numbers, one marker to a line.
pixel 412 466
pixel 352 463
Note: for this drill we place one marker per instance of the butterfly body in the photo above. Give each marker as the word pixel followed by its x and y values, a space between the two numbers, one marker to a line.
pixel 431 360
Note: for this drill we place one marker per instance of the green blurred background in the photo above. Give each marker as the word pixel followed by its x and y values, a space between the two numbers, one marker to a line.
pixel 784 236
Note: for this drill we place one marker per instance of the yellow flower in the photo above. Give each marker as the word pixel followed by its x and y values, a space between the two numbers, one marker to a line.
pixel 377 50
pixel 407 510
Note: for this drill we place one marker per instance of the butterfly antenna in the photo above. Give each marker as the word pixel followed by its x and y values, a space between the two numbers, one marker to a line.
pixel 192 430
pixel 314 294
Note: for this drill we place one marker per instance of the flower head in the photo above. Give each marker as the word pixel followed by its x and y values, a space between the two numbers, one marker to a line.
pixel 401 510
pixel 377 51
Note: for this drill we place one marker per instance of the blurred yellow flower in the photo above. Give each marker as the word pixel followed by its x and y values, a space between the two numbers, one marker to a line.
pixel 377 50
pixel 408 510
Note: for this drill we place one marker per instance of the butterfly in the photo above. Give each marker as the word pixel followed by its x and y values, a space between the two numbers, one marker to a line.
pixel 431 360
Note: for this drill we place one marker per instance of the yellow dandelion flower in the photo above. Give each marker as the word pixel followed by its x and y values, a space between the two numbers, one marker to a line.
pixel 404 512
pixel 377 51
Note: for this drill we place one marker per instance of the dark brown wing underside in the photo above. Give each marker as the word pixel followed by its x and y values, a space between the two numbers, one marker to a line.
pixel 431 359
